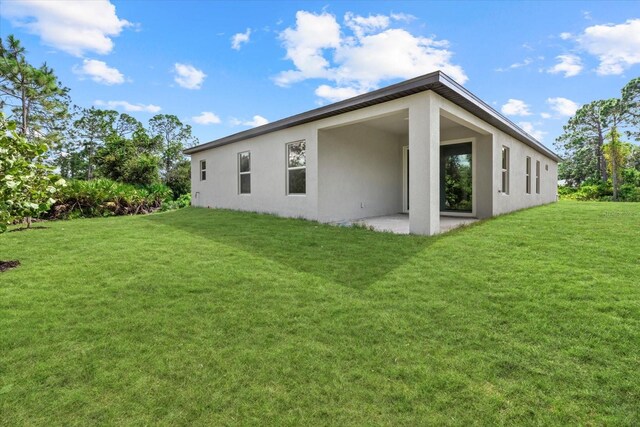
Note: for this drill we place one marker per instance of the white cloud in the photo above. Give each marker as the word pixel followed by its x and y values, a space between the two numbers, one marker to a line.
pixel 240 38
pixel 255 122
pixel 563 106
pixel 515 107
pixel 127 106
pixel 335 94
pixel 99 72
pixel 393 54
pixel 529 128
pixel 361 25
pixel 319 49
pixel 72 26
pixel 188 76
pixel 403 17
pixel 616 46
pixel 545 115
pixel 305 44
pixel 566 36
pixel 570 65
pixel 206 118
pixel 524 63
pixel 515 65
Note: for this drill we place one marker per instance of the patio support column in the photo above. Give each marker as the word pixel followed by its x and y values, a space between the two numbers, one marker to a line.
pixel 424 166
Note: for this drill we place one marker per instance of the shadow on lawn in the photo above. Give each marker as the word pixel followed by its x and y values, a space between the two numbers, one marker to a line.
pixel 348 256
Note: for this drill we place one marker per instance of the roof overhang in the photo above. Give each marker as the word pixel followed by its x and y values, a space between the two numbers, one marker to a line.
pixel 437 81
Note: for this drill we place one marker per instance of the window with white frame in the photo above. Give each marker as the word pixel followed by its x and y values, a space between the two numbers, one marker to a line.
pixel 244 172
pixel 203 170
pixel 505 170
pixel 528 175
pixel 537 176
pixel 296 168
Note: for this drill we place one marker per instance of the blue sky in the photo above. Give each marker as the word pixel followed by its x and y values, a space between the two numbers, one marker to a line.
pixel 226 66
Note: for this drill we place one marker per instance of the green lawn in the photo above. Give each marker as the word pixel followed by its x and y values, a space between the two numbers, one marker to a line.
pixel 222 318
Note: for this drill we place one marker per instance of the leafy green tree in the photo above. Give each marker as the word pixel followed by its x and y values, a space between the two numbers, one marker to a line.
pixel 66 157
pixel 141 170
pixel 616 153
pixel 579 164
pixel 122 159
pixel 126 126
pixel 35 97
pixel 179 179
pixel 633 160
pixel 110 158
pixel 90 131
pixel 27 184
pixel 129 154
pixel 173 136
pixel 583 140
pixel 631 103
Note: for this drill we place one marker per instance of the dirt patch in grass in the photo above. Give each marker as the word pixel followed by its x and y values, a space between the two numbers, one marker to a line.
pixel 8 265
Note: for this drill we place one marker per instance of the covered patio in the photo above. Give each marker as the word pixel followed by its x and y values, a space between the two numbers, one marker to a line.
pixel 409 170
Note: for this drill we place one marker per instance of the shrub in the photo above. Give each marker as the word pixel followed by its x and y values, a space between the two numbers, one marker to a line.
pixel 629 193
pixel 179 178
pixel 566 192
pixel 588 192
pixel 599 191
pixel 103 197
pixel 631 176
pixel 181 202
pixel 27 185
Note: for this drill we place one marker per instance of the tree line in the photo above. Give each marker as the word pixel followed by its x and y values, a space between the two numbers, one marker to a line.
pixel 595 147
pixel 89 143
pixel 107 144
pixel 45 141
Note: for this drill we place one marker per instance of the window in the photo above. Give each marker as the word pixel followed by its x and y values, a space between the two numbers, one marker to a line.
pixel 528 175
pixel 203 170
pixel 538 177
pixel 505 170
pixel 244 172
pixel 296 168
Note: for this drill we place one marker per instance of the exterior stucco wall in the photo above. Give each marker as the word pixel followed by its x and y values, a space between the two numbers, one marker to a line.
pixel 518 197
pixel 359 173
pixel 268 175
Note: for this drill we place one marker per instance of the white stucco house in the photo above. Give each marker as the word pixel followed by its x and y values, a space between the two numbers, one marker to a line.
pixel 426 147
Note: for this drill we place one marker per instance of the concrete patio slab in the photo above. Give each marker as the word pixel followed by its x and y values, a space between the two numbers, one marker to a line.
pixel 399 223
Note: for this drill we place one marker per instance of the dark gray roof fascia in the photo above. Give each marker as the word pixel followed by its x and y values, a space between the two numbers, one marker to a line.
pixel 436 81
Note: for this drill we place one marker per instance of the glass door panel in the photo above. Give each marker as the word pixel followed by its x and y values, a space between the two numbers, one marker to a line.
pixel 456 178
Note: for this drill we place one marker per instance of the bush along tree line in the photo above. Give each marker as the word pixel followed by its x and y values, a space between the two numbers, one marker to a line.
pixel 601 160
pixel 61 161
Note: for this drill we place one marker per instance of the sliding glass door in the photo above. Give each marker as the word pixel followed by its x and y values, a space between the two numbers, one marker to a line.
pixel 456 178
